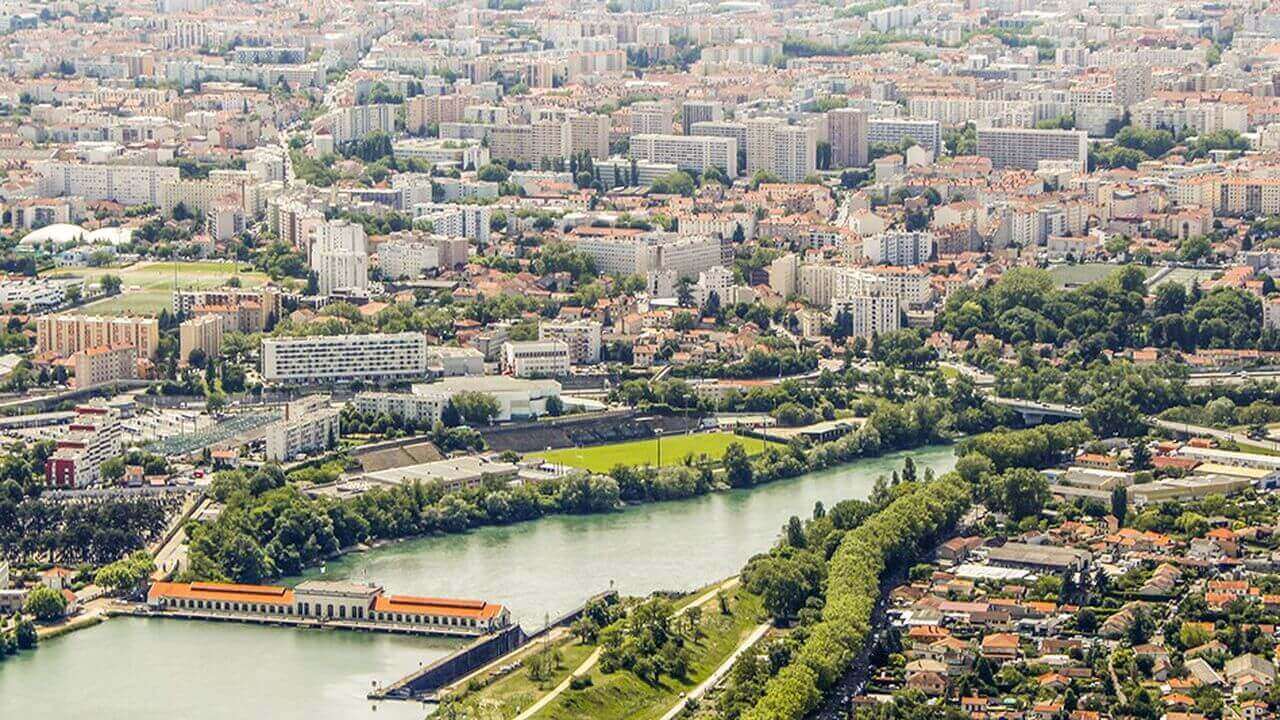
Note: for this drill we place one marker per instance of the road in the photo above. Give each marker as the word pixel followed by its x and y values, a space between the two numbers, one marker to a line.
pixel 594 657
pixel 172 556
pixel 715 677
pixel 1201 430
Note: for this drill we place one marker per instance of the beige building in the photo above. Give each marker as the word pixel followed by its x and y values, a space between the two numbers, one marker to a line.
pixel 101 365
pixel 202 333
pixel 66 335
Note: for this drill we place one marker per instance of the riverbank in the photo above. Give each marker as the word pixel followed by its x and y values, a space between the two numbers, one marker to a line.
pixel 539 570
pixel 702 488
pixel 560 677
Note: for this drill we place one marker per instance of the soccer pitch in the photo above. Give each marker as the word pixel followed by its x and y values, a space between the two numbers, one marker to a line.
pixel 602 458
pixel 147 287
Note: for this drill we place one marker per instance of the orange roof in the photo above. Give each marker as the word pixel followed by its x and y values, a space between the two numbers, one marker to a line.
pixel 226 592
pixel 478 609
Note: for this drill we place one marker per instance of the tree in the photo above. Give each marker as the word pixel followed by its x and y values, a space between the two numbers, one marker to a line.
pixel 46 604
pixel 1025 492
pixel 476 408
pixel 449 416
pixel 1111 415
pixel 737 466
pixel 1140 455
pixel 1120 503
pixel 110 284
pixel 26 635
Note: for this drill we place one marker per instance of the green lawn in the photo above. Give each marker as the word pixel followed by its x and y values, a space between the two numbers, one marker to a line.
pixel 623 696
pixel 147 286
pixel 602 458
pixel 510 694
pixel 1073 275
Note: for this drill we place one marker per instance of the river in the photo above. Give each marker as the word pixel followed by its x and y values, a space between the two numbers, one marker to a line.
pixel 157 669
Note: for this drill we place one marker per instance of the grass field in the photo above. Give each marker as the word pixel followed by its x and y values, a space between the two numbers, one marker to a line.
pixel 147 287
pixel 1186 276
pixel 507 696
pixel 602 458
pixel 623 696
pixel 1074 275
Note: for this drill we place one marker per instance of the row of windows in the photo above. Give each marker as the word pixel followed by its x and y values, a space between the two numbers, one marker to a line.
pixel 324 611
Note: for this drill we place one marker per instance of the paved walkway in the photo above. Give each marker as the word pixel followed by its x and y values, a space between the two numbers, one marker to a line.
pixel 594 657
pixel 715 677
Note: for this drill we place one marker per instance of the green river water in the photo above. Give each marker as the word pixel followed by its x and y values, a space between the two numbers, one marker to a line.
pixel 145 669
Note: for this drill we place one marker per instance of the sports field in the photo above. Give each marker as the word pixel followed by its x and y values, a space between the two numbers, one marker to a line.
pixel 147 287
pixel 1077 275
pixel 602 458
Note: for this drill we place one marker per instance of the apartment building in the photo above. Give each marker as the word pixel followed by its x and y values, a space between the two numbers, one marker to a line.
pixel 102 365
pixel 203 333
pixel 1025 148
pixel 353 123
pixel 340 257
pixel 651 118
pixel 124 184
pixel 309 425
pixel 535 358
pixel 343 358
pixel 640 254
pixel 687 152
pixel 868 314
pixel 423 111
pixel 552 135
pixel 451 220
pixel 892 131
pixel 407 258
pixel 847 132
pixel 582 337
pixel 92 438
pixel 67 334
pixel 242 310
pixel 696 111
pixel 788 151
pixel 899 248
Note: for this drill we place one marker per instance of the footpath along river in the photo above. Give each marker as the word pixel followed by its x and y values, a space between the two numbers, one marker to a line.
pixel 153 669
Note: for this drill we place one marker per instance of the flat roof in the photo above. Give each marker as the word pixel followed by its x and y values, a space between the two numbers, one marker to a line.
pixel 1047 555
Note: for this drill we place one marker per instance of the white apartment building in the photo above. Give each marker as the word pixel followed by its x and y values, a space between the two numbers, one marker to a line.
pixel 687 152
pixel 342 358
pixel 406 258
pixel 450 220
pixel 651 118
pixel 868 314
pixel 788 151
pixel 535 358
pixel 463 154
pixel 1025 148
pixel 125 184
pixel 582 337
pixel 309 425
pixel 340 257
pixel 651 252
pixel 891 131
pixel 353 123
pixel 92 438
pixel 898 248
pixel 624 172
